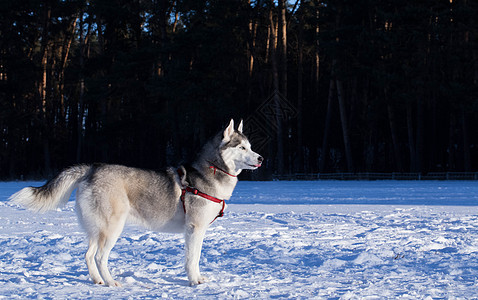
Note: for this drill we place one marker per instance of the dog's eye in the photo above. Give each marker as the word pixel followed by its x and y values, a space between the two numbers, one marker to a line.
pixel 242 148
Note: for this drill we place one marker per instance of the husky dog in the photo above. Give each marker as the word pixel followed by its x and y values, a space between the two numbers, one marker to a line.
pixel 187 199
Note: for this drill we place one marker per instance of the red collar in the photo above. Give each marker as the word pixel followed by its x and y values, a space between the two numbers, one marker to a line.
pixel 213 166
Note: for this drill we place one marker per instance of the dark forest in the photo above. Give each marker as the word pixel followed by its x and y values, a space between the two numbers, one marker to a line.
pixel 322 86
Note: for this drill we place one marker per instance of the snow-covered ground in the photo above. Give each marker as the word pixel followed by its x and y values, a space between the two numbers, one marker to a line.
pixel 299 240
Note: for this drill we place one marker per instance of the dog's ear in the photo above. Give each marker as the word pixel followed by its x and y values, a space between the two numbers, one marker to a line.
pixel 182 176
pixel 228 132
pixel 239 128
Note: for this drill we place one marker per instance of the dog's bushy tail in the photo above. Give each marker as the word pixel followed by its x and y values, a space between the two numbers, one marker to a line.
pixel 54 193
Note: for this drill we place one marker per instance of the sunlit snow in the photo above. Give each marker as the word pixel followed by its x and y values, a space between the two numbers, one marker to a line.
pixel 285 240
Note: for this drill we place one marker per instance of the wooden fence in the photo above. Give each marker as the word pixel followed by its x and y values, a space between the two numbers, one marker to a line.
pixel 380 176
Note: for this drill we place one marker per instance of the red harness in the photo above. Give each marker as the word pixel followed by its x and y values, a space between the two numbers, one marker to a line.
pixel 195 191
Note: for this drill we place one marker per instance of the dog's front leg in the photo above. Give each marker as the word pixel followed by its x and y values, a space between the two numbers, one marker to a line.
pixel 194 237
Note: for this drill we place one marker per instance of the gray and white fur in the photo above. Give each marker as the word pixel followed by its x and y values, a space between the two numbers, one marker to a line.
pixel 109 195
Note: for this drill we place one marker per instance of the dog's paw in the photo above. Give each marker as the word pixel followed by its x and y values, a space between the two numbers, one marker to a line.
pixel 199 280
pixel 115 284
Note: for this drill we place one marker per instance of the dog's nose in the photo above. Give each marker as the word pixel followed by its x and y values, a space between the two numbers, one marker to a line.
pixel 260 159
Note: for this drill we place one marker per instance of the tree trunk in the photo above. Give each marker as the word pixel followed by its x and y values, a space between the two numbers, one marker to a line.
pixel 164 14
pixel 252 30
pixel 395 142
pixel 270 28
pixel 420 135
pixel 43 91
pixel 283 43
pixel 276 95
pixel 345 128
pixel 341 96
pixel 317 57
pixel 466 143
pixel 251 48
pixel 451 143
pixel 84 39
pixel 283 84
pixel 251 45
pixel 101 37
pixel 328 118
pixel 301 166
pixel 64 61
pixel 175 23
pixel 411 140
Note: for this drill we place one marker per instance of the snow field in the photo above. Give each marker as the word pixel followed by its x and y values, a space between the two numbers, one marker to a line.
pixel 324 249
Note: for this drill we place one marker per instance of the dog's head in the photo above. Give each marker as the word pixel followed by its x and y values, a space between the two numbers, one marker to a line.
pixel 236 150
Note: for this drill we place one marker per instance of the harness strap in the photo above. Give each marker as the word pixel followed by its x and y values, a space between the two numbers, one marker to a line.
pixel 199 193
pixel 195 191
pixel 183 195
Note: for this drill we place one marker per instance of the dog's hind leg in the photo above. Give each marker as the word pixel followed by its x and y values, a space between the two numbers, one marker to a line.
pixel 194 239
pixel 91 263
pixel 90 223
pixel 107 240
